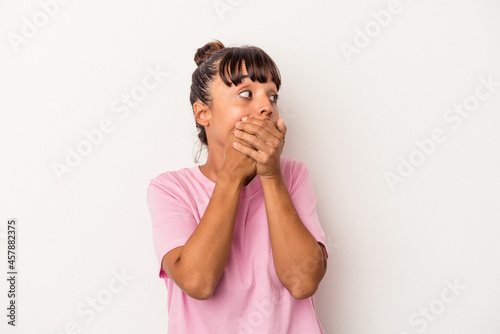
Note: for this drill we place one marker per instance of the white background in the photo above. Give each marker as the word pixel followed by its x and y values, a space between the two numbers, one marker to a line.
pixel 349 118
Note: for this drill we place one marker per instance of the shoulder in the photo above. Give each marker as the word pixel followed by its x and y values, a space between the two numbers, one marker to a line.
pixel 293 170
pixel 298 179
pixel 173 181
pixel 292 166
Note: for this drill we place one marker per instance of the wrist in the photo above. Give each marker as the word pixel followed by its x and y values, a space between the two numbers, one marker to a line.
pixel 228 179
pixel 272 178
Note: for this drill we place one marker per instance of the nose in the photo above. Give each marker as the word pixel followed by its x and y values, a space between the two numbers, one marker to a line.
pixel 265 113
pixel 264 108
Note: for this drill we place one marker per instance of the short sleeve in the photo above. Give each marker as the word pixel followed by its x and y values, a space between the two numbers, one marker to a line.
pixel 172 221
pixel 304 200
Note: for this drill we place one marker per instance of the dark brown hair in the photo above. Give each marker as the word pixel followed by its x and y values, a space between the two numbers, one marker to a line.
pixel 214 59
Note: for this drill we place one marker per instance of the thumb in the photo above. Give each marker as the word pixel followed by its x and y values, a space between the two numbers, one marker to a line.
pixel 281 125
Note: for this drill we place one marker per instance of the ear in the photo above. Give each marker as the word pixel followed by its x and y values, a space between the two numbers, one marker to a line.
pixel 202 113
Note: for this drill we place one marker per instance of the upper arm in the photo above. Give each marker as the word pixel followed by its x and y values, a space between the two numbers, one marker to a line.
pixel 304 200
pixel 172 225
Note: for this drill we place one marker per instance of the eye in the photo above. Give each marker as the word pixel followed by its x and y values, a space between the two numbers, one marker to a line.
pixel 274 98
pixel 246 92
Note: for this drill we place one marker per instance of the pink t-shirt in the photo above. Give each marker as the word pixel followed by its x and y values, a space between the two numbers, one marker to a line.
pixel 249 297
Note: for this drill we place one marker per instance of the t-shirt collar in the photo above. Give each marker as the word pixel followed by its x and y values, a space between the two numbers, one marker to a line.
pixel 254 186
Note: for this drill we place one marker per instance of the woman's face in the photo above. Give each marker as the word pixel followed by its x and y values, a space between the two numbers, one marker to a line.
pixel 230 104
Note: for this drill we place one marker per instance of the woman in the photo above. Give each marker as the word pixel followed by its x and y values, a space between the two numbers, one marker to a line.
pixel 238 238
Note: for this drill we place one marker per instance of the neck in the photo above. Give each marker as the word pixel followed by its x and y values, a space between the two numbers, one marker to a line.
pixel 212 166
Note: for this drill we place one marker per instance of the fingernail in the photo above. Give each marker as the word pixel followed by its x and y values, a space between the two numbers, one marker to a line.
pixel 238 123
pixel 244 119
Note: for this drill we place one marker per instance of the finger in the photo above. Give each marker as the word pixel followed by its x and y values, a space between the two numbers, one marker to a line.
pixel 267 124
pixel 253 128
pixel 246 151
pixel 282 128
pixel 259 137
pixel 252 140
pixel 281 125
pixel 265 130
pixel 236 138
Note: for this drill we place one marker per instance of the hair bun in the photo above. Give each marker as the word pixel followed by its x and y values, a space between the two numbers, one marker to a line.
pixel 205 51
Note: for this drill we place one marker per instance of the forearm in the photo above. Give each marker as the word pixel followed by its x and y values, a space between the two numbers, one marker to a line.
pixel 298 258
pixel 205 253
